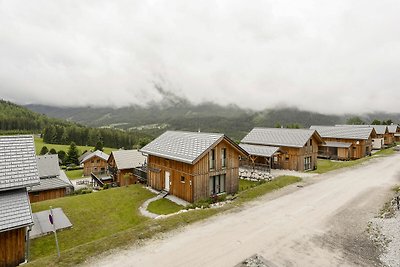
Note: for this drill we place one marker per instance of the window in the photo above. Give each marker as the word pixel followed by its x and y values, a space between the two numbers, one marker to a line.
pixel 98 161
pixel 182 179
pixel 287 157
pixel 217 184
pixel 310 142
pixel 92 161
pixel 307 163
pixel 223 157
pixel 212 159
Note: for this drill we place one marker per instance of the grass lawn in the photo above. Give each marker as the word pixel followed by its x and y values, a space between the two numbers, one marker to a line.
pixel 109 219
pixel 326 165
pixel 93 217
pixel 164 206
pixel 74 174
pixel 245 184
pixel 39 144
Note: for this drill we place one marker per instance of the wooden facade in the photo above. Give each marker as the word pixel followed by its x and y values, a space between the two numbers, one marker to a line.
pixel 12 247
pixel 47 194
pixel 200 180
pixel 95 164
pixel 298 159
pixel 358 149
pixel 122 177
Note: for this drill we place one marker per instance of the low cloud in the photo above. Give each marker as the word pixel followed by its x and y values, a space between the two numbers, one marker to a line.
pixel 326 56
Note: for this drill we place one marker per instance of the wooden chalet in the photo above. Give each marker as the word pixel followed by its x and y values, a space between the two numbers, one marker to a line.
pixel 193 166
pixel 95 162
pixel 383 136
pixel 395 130
pixel 122 165
pixel 345 142
pixel 54 183
pixel 18 170
pixel 290 149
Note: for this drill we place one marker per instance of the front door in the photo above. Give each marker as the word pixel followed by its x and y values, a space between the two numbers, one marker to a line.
pixel 166 182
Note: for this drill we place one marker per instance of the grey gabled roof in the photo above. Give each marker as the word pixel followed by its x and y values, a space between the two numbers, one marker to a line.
pixel 48 166
pixel 50 184
pixel 97 153
pixel 394 128
pixel 379 129
pixel 182 146
pixel 18 166
pixel 84 155
pixel 128 159
pixel 259 150
pixel 15 210
pixel 337 144
pixel 344 132
pixel 278 137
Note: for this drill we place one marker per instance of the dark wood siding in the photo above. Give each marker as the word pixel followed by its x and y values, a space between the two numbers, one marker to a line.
pixel 12 247
pixel 45 195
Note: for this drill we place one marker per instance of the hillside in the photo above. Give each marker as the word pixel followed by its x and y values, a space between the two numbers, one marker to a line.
pixel 15 119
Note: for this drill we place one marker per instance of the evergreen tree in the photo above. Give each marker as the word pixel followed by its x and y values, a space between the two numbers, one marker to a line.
pixel 52 151
pixel 98 146
pixel 355 121
pixel 73 154
pixel 44 150
pixel 376 122
pixel 62 156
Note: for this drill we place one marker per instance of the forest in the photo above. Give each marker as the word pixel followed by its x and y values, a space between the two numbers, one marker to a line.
pixel 15 119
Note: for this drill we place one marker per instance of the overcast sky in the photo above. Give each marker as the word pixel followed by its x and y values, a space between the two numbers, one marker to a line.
pixel 327 56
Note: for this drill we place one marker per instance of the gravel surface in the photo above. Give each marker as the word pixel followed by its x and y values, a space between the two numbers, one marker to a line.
pixel 385 232
pixel 323 223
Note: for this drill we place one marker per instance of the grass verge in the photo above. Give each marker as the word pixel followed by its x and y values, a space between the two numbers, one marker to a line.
pixel 74 174
pixel 39 144
pixel 164 206
pixel 112 223
pixel 326 165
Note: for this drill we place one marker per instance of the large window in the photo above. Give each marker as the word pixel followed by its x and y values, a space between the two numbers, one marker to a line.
pixel 223 157
pixel 212 159
pixel 307 163
pixel 217 184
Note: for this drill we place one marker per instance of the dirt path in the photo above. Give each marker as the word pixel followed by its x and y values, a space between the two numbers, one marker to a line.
pixel 321 224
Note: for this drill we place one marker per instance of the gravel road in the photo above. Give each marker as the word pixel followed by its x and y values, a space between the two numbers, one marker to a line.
pixel 320 224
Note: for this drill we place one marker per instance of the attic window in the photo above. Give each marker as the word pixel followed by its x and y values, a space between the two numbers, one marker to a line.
pixel 182 179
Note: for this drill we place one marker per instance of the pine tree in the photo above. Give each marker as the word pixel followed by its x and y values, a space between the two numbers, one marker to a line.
pixel 73 154
pixel 52 151
pixel 98 146
pixel 44 150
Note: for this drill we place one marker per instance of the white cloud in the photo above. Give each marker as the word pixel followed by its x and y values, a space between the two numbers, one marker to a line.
pixel 327 56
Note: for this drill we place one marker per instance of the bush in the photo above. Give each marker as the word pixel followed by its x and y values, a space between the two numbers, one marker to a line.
pixel 82 191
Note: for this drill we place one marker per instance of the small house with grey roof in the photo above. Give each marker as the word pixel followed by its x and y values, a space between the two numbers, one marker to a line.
pixel 383 136
pixel 345 142
pixel 18 170
pixel 395 130
pixel 193 165
pixel 290 149
pixel 122 165
pixel 54 183
pixel 95 162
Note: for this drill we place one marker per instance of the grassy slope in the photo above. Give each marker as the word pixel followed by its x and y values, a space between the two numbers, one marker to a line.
pixel 74 174
pixel 39 144
pixel 117 221
pixel 93 216
pixel 326 165
pixel 164 206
